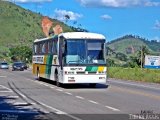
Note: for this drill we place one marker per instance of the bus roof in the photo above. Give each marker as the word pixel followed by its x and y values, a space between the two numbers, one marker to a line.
pixel 75 35
pixel 82 35
pixel 42 39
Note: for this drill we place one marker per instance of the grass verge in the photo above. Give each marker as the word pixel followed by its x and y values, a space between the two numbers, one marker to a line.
pixel 136 74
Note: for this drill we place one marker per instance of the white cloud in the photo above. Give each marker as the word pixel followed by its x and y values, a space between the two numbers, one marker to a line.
pixel 118 3
pixel 157 25
pixel 106 17
pixel 157 38
pixel 27 1
pixel 60 15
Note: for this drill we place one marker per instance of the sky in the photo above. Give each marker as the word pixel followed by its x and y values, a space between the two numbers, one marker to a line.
pixel 112 18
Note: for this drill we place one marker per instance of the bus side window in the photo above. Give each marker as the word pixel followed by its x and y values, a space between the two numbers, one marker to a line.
pixel 46 47
pixel 44 50
pixel 50 47
pixel 38 49
pixel 54 47
pixel 35 49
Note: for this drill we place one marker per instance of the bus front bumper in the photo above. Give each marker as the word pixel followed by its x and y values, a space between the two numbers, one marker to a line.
pixel 97 78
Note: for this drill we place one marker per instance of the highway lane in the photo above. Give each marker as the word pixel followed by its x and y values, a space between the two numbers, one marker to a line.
pixel 76 101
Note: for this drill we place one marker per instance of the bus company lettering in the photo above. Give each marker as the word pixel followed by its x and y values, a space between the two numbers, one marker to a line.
pixel 77 69
pixel 38 59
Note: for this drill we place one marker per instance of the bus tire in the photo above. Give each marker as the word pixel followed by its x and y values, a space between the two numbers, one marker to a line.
pixel 93 85
pixel 57 80
pixel 38 75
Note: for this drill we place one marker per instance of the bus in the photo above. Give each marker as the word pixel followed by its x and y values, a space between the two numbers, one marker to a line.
pixel 73 57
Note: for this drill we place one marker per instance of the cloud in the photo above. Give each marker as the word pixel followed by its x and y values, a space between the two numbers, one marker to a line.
pixel 60 15
pixel 118 3
pixel 157 25
pixel 29 1
pixel 106 17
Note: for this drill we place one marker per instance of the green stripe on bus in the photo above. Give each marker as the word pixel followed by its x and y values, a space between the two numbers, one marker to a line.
pixel 49 65
pixel 91 69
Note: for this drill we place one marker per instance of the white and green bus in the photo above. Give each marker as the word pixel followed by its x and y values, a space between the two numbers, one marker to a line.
pixel 73 57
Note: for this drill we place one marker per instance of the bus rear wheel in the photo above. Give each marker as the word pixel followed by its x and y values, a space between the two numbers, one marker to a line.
pixel 38 75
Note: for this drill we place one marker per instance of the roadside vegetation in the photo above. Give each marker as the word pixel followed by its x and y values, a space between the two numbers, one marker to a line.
pixel 136 74
pixel 132 67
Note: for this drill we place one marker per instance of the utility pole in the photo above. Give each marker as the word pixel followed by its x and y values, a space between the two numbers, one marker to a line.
pixel 141 57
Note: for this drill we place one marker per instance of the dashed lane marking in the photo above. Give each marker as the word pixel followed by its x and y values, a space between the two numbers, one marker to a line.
pixel 59 111
pixel 79 97
pixel 59 90
pixel 113 109
pixel 68 93
pixel 93 101
pixel 51 87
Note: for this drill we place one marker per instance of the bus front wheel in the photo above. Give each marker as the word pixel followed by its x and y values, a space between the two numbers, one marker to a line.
pixel 57 80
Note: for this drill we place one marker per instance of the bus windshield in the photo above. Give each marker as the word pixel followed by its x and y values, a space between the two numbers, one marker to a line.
pixel 84 52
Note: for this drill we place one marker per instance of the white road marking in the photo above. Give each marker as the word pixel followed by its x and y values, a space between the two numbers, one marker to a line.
pixel 45 84
pixel 59 90
pixel 114 109
pixel 132 84
pixel 3 76
pixel 23 103
pixel 14 97
pixel 10 97
pixel 51 87
pixel 79 97
pixel 68 93
pixel 58 111
pixel 93 102
pixel 9 90
pixel 61 113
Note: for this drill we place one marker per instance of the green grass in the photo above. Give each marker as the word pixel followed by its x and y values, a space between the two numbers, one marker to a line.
pixel 136 74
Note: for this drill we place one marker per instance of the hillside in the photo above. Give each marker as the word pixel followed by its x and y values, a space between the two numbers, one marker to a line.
pixel 126 49
pixel 19 26
pixel 130 44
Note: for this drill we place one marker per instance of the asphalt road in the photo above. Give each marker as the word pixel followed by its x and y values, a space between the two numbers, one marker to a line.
pixel 24 98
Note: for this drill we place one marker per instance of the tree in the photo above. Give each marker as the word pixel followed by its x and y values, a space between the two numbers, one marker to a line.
pixel 141 54
pixel 133 62
pixel 121 56
pixel 67 17
pixel 22 53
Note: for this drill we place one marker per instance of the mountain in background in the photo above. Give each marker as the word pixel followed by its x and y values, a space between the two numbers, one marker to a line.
pixel 19 26
pixel 130 44
pixel 120 50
